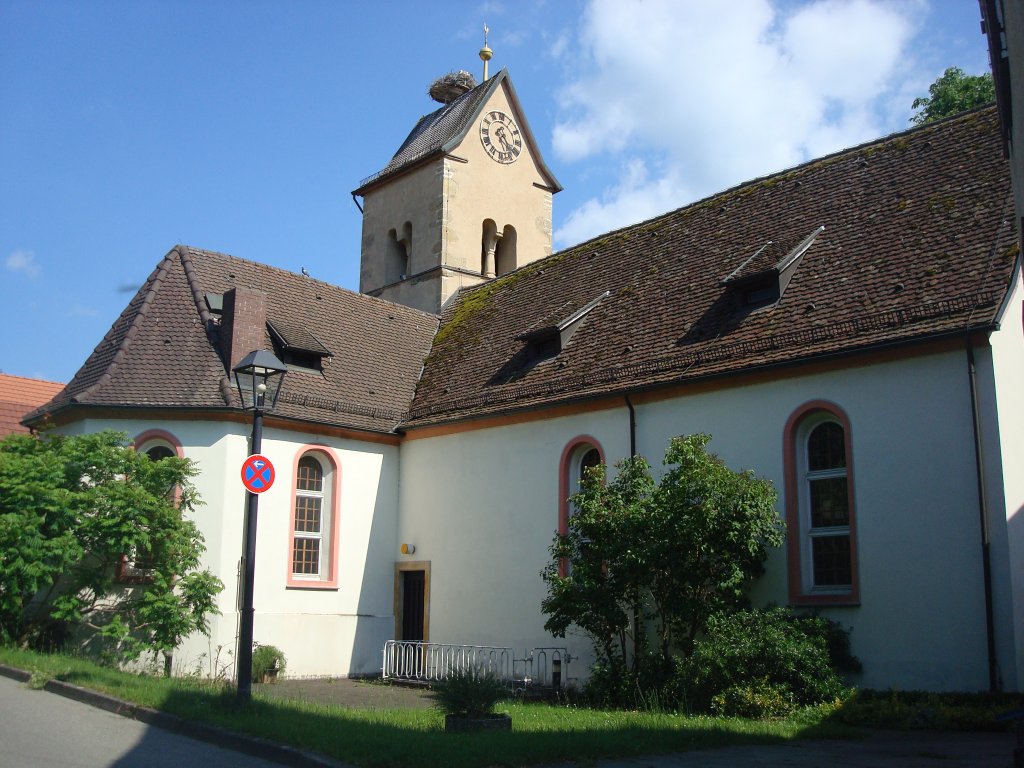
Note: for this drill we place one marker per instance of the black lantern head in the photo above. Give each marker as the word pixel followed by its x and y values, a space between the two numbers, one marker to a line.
pixel 259 376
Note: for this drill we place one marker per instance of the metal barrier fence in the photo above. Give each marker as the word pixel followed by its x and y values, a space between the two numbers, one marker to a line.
pixel 430 662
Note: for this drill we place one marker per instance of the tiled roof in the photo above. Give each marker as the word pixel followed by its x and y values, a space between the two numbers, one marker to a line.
pixel 163 351
pixel 18 396
pixel 442 130
pixel 918 242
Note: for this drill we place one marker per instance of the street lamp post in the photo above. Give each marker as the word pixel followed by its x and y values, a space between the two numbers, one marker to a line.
pixel 258 376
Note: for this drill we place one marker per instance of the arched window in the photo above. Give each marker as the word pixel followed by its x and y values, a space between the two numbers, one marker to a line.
pixel 158 451
pixel 505 253
pixel 579 455
pixel 312 551
pixel 820 506
pixel 399 253
pixel 136 567
pixel 158 444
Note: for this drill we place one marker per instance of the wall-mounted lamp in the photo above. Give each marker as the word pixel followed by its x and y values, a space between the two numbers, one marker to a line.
pixel 408 549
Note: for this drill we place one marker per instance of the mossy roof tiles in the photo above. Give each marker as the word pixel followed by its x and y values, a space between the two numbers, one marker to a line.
pixel 918 241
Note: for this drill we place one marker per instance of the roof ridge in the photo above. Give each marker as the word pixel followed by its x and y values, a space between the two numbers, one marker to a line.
pixel 194 250
pixel 205 316
pixel 29 378
pixel 824 159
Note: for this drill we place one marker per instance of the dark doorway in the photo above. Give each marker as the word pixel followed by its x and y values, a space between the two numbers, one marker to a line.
pixel 413 604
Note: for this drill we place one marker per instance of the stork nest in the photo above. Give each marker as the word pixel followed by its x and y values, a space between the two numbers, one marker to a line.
pixel 448 88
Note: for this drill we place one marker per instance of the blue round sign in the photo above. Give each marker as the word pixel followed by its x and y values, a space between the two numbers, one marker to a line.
pixel 257 474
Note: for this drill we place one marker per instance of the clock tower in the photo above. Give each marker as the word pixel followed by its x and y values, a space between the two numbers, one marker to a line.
pixel 466 198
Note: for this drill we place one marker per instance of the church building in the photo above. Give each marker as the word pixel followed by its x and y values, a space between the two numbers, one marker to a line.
pixel 431 427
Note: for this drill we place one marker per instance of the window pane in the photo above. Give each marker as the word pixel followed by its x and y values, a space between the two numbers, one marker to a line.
pixel 158 452
pixel 590 459
pixel 829 502
pixel 311 475
pixel 826 448
pixel 306 556
pixel 832 564
pixel 307 514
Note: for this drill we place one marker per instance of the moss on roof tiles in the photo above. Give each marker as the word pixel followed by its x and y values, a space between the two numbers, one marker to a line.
pixel 879 231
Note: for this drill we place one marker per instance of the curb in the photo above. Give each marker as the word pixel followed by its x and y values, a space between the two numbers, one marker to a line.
pixel 211 734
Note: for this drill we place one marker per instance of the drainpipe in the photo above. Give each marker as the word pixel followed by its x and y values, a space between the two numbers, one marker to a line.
pixel 986 558
pixel 354 200
pixel 632 427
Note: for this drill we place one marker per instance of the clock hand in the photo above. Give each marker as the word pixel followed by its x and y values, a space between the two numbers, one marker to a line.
pixel 500 133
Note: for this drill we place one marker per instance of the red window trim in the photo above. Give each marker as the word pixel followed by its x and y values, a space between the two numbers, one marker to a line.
pixel 330 550
pixel 162 435
pixel 795 538
pixel 563 484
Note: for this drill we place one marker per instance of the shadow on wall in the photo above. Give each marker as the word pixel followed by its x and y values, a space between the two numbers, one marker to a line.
pixel 374 603
pixel 1015 536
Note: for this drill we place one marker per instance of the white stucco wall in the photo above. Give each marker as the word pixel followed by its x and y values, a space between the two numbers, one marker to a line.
pixel 322 632
pixel 1001 401
pixel 481 506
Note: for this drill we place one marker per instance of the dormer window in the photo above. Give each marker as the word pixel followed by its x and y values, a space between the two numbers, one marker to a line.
pixel 762 279
pixel 297 346
pixel 215 303
pixel 550 338
pixel 758 295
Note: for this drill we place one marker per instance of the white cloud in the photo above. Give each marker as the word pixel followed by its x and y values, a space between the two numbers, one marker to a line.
pixel 23 262
pixel 81 310
pixel 637 196
pixel 706 95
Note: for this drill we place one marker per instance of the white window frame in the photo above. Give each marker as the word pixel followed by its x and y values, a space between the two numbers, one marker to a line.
pixel 808 533
pixel 323 536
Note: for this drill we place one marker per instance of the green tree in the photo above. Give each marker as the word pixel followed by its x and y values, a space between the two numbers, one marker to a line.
pixel 641 558
pixel 72 508
pixel 713 528
pixel 953 92
pixel 598 578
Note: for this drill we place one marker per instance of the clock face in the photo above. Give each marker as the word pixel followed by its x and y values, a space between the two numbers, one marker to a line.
pixel 500 137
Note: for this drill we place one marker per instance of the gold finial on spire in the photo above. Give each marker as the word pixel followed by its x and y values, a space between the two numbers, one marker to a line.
pixel 485 52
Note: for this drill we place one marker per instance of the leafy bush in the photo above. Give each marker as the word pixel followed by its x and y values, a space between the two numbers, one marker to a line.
pixel 641 565
pixel 266 658
pixel 657 685
pixel 757 699
pixel 469 693
pixel 766 664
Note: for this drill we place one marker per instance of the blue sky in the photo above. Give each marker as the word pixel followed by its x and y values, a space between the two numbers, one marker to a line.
pixel 129 127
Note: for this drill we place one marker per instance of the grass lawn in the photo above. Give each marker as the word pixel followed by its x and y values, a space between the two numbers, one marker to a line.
pixel 541 732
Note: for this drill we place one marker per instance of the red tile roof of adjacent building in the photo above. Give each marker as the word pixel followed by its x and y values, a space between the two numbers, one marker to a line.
pixel 19 396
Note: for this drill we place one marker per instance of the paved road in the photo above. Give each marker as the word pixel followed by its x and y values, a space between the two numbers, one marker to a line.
pixel 43 730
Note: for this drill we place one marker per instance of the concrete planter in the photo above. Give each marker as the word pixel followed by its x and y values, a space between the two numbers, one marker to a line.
pixel 459 724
